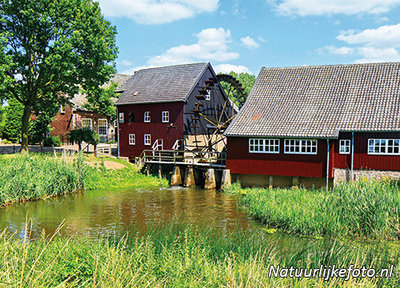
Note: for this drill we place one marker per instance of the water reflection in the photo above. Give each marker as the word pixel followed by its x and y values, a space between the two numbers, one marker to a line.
pixel 104 212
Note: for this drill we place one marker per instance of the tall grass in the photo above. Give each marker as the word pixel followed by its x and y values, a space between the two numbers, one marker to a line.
pixel 178 256
pixel 365 208
pixel 37 176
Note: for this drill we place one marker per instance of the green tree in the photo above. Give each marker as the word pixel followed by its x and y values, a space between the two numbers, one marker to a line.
pixel 12 123
pixel 247 81
pixel 2 119
pixel 51 49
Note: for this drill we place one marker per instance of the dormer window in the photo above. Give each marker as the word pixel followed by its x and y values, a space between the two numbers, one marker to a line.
pixel 147 117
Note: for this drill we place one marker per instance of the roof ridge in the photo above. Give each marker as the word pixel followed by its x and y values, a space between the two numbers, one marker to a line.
pixel 332 65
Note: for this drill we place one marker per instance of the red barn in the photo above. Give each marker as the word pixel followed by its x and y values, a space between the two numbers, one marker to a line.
pixel 315 125
pixel 161 108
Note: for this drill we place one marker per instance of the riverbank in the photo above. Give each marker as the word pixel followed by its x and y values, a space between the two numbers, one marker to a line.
pixel 180 255
pixel 37 176
pixel 363 209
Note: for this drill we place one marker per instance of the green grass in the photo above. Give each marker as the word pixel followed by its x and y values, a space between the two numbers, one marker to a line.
pixel 369 209
pixel 178 255
pixel 36 176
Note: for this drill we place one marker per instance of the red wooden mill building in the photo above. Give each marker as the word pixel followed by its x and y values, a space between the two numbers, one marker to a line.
pixel 171 108
pixel 314 125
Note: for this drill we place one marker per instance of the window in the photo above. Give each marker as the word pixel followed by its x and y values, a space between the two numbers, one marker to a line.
pixel 300 146
pixel 344 147
pixel 260 145
pixel 208 95
pixel 165 116
pixel 103 127
pixel 147 117
pixel 131 139
pixel 62 109
pixel 147 139
pixel 131 117
pixel 121 117
pixel 87 123
pixel 384 146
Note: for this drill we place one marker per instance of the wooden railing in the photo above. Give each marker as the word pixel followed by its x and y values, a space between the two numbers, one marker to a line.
pixel 176 157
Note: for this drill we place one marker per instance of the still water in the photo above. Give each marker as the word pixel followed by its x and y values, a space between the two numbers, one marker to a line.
pixel 104 212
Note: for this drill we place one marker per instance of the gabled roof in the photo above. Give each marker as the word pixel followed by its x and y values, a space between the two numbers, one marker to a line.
pixel 162 84
pixel 321 101
pixel 79 100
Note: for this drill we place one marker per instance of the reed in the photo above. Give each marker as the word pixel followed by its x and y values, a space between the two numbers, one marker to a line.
pixel 365 208
pixel 179 255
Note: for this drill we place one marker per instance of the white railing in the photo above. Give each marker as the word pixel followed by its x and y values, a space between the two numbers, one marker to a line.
pixel 177 145
pixel 157 145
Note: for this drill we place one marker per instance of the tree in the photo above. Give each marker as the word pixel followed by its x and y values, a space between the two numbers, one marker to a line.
pixel 51 49
pixel 247 81
pixel 83 135
pixel 12 122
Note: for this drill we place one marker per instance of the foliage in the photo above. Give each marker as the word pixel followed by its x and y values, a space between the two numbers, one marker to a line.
pixel 83 135
pixel 179 255
pixel 2 119
pixel 12 123
pixel 361 209
pixel 52 49
pixel 24 178
pixel 247 81
pixel 52 141
pixel 40 128
pixel 100 100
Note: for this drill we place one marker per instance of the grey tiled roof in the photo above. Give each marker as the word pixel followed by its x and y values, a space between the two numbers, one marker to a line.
pixel 320 101
pixel 163 84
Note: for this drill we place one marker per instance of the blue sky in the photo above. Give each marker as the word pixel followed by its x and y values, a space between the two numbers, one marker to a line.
pixel 244 36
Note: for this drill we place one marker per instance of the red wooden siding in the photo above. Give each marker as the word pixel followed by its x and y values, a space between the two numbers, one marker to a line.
pixel 362 160
pixel 156 128
pixel 240 161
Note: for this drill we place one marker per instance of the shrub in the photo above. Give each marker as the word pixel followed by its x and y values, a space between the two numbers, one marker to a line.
pixel 52 141
pixel 83 135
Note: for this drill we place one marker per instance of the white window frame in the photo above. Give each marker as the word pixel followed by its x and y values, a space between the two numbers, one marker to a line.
pixel 121 117
pixel 90 121
pixel 147 117
pixel 165 117
pixel 344 146
pixel 264 145
pixel 383 146
pixel 98 126
pixel 132 139
pixel 147 139
pixel 208 95
pixel 62 109
pixel 299 144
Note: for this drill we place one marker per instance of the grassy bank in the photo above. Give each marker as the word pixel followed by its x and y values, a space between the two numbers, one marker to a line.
pixel 361 209
pixel 178 256
pixel 35 176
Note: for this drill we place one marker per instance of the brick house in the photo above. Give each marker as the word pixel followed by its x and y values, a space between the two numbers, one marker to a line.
pixel 314 125
pixel 75 115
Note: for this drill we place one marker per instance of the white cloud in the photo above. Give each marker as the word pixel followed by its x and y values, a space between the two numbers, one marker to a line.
pixel 226 68
pixel 343 51
pixel 384 36
pixel 329 7
pixel 371 45
pixel 249 42
pixel 212 44
pixel 374 55
pixel 125 63
pixel 157 11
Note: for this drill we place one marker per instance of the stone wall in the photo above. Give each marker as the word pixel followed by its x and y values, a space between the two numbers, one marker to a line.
pixel 344 174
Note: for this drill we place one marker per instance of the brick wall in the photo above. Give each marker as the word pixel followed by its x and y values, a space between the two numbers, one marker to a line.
pixel 344 174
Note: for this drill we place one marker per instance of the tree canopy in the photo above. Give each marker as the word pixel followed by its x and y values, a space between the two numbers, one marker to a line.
pixel 247 81
pixel 50 50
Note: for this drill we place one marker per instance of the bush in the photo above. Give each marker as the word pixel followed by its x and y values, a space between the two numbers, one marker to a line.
pixel 83 135
pixel 52 141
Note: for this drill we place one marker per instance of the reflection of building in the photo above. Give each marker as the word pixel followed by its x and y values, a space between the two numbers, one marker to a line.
pixel 162 108
pixel 304 125
pixel 76 116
